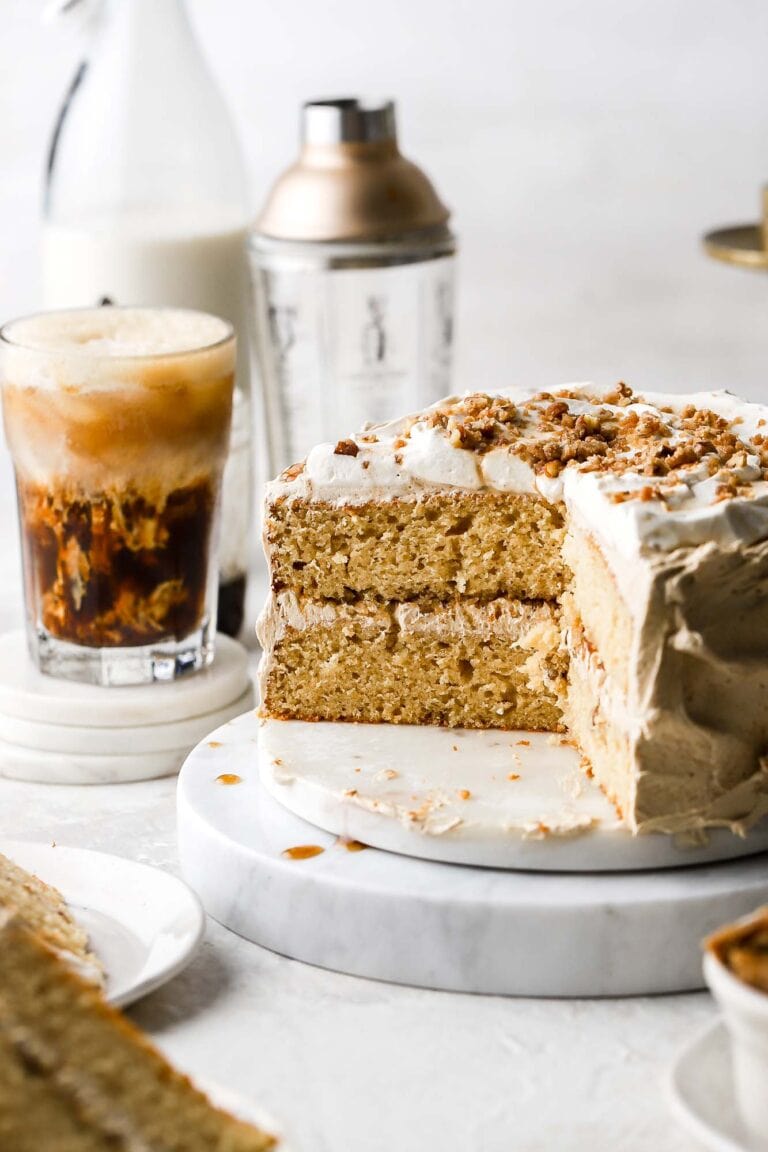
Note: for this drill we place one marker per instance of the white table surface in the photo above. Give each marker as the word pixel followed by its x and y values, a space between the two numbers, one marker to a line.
pixel 348 1064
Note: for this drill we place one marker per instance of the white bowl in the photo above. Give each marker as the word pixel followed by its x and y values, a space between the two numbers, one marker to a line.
pixel 745 1011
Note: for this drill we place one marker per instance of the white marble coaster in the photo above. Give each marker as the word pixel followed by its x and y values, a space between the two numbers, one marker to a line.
pixel 376 914
pixel 64 732
pixel 494 799
pixel 28 694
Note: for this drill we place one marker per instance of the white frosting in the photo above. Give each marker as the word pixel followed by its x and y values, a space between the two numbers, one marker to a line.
pixel 429 457
pixel 408 456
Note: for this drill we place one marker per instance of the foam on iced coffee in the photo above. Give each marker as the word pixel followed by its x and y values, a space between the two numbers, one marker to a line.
pixel 118 424
pixel 117 396
pixel 121 332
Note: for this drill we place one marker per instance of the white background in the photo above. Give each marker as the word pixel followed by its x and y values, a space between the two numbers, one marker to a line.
pixel 584 147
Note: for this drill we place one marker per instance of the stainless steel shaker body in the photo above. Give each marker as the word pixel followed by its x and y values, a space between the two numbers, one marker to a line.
pixel 352 263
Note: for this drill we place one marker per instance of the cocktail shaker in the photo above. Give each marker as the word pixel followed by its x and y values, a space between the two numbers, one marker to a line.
pixel 352 263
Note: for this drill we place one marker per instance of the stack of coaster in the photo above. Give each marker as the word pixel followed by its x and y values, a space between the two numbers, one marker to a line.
pixel 61 731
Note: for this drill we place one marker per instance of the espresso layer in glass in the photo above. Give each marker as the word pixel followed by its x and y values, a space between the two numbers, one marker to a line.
pixel 112 569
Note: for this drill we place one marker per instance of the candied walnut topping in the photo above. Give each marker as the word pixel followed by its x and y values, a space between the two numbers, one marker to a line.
pixel 346 448
pixel 293 472
pixel 614 432
pixel 556 411
pixel 621 395
pixel 478 422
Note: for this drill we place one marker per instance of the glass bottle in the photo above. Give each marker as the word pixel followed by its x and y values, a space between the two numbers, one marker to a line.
pixel 352 264
pixel 146 203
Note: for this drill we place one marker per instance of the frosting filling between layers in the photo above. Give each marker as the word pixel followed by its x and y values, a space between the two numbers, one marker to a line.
pixel 532 627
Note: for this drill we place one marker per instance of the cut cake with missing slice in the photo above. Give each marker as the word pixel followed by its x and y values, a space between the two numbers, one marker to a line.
pixel 588 559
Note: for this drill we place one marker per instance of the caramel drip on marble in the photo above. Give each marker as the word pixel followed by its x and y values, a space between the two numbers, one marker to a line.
pixel 302 852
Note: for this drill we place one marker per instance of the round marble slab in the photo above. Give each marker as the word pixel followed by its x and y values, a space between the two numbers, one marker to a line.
pixel 65 732
pixel 488 798
pixel 277 880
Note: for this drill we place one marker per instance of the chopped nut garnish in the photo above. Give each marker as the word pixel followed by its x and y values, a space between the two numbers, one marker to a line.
pixel 615 432
pixel 294 471
pixel 621 395
pixel 346 448
pixel 555 411
pixel 477 422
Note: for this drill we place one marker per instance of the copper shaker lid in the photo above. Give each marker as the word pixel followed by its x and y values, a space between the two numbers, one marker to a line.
pixel 350 181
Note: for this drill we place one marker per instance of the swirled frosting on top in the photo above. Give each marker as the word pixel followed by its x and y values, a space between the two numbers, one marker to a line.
pixel 648 473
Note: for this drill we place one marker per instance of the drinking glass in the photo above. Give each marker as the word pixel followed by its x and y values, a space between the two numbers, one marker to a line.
pixel 118 421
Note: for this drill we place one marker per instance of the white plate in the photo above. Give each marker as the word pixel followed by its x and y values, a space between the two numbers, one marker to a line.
pixel 702 1094
pixel 144 924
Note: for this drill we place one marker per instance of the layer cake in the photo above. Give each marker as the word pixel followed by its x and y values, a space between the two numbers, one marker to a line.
pixel 587 560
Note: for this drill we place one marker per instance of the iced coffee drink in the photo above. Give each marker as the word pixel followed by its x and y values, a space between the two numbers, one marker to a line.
pixel 118 423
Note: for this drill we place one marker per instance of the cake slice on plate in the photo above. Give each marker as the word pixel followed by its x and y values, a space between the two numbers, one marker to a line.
pixel 44 910
pixel 77 1076
pixel 586 560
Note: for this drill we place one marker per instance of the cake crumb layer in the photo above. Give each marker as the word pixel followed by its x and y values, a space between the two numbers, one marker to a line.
pixel 439 545
pixel 495 665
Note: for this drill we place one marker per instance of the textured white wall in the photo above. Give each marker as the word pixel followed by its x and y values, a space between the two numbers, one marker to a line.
pixel 584 146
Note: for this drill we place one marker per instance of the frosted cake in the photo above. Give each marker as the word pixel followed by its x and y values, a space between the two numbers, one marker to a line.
pixel 591 561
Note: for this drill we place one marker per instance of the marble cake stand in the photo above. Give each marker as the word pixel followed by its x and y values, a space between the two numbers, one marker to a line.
pixel 63 732
pixel 280 881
